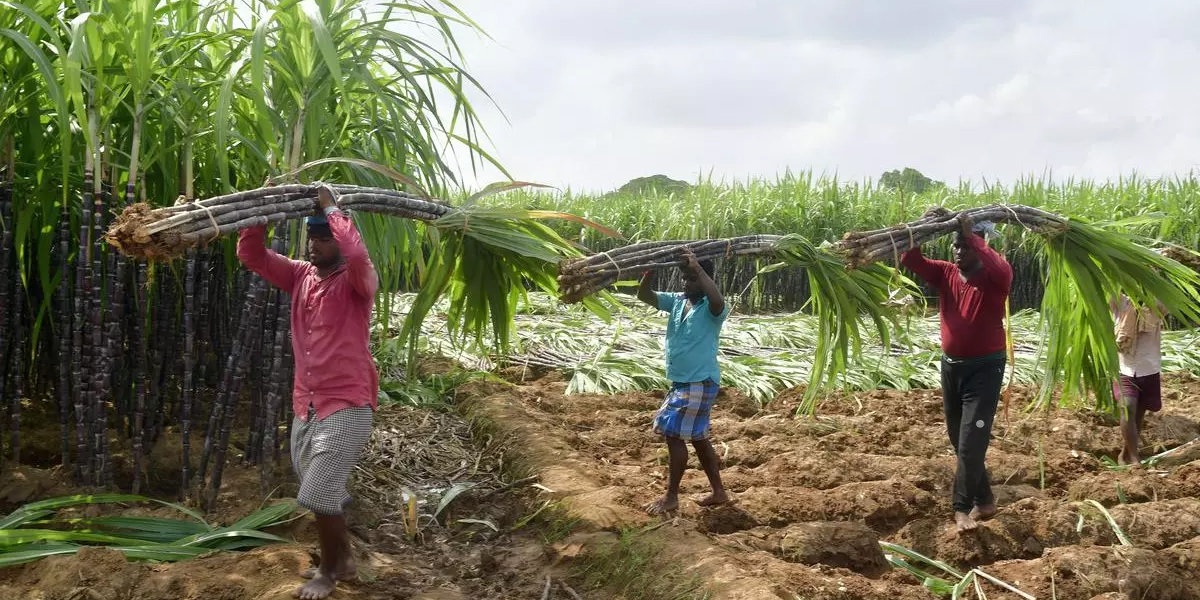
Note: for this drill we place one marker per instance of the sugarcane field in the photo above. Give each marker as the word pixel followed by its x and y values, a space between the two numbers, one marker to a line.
pixel 358 300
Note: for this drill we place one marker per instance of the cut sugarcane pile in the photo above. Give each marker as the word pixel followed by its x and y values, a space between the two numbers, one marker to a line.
pixel 581 277
pixel 865 247
pixel 167 232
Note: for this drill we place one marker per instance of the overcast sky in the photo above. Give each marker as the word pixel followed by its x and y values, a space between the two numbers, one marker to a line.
pixel 598 92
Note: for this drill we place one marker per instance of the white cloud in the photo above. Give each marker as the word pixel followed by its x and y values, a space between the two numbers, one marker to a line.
pixel 600 92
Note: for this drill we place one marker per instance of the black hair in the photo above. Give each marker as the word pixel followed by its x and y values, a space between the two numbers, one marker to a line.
pixel 707 265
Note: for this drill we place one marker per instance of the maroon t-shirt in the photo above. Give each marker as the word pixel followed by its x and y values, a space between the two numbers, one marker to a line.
pixel 972 310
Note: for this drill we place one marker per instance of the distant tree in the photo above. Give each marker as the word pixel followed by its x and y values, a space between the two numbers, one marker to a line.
pixel 654 183
pixel 909 180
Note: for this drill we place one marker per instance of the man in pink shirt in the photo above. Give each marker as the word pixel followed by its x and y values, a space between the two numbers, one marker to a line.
pixel 336 383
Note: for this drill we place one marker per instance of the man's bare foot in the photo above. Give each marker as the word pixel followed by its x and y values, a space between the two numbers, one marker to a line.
pixel 662 506
pixel 983 512
pixel 343 574
pixel 317 588
pixel 714 499
pixel 964 523
pixel 1128 457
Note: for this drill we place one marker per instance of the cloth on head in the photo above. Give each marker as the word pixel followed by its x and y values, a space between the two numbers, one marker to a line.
pixel 318 225
pixel 985 228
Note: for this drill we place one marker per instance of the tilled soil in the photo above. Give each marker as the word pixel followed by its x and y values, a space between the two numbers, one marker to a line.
pixel 450 561
pixel 815 495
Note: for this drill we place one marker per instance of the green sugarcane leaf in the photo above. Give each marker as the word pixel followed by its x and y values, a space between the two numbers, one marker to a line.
pixel 204 539
pixel 162 552
pixel 266 517
pixel 81 499
pixel 448 497
pixel 18 537
pixel 32 552
pixel 22 516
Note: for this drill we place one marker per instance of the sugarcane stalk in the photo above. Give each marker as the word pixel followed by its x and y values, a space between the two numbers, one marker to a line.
pixel 201 227
pixel 139 375
pixel 195 219
pixel 230 396
pixel 234 361
pixel 17 345
pixel 81 353
pixel 162 233
pixel 278 372
pixel 579 279
pixel 18 375
pixel 639 253
pixel 96 323
pixel 64 334
pixel 7 256
pixel 189 367
pixel 162 349
pixel 262 416
pixel 99 347
pixel 199 216
pixel 662 260
pixel 203 341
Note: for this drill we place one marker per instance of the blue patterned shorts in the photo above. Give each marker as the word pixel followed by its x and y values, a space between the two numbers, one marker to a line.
pixel 684 413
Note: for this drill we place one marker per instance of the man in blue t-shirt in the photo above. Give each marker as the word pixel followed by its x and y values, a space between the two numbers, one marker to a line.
pixel 693 328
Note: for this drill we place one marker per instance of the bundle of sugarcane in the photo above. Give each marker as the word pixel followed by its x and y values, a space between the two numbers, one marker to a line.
pixel 864 247
pixel 167 232
pixel 581 277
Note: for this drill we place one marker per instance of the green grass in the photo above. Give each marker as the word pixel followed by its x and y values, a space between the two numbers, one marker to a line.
pixel 556 523
pixel 630 567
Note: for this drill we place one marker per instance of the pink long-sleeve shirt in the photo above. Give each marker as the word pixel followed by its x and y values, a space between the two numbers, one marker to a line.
pixel 331 319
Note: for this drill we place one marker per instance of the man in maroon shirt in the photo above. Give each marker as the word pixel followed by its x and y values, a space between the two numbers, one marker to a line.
pixel 972 292
pixel 336 383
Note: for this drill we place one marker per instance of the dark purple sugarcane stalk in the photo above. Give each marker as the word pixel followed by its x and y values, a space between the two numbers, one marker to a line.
pixel 250 330
pixel 189 366
pixel 96 322
pixel 235 360
pixel 17 361
pixel 81 346
pixel 139 374
pixel 114 346
pixel 64 333
pixel 8 297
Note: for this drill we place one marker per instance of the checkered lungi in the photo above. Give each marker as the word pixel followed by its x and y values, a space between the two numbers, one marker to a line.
pixel 684 413
pixel 323 454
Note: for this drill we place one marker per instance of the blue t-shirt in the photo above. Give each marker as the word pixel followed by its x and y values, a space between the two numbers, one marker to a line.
pixel 691 340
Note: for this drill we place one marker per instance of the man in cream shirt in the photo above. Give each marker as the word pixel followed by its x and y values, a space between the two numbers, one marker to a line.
pixel 1139 388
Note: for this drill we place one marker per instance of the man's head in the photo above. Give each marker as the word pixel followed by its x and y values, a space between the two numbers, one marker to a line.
pixel 965 257
pixel 323 252
pixel 691 283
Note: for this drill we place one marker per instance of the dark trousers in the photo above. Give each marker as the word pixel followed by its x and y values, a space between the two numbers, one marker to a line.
pixel 970 393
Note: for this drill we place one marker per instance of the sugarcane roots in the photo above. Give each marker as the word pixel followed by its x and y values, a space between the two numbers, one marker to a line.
pixel 125 234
